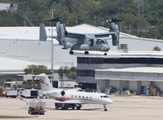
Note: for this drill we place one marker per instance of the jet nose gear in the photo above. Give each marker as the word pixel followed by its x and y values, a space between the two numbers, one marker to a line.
pixel 105 108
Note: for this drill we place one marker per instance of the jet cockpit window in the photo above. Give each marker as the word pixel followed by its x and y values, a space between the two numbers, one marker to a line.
pixel 105 96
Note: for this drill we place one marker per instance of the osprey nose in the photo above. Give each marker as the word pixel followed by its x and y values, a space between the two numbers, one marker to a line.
pixel 105 47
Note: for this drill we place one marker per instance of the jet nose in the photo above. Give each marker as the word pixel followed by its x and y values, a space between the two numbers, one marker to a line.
pixel 110 101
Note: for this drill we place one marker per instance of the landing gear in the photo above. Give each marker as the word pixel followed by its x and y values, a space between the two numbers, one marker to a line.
pixel 71 52
pixel 78 107
pixel 64 106
pixel 105 53
pixel 86 52
pixel 105 108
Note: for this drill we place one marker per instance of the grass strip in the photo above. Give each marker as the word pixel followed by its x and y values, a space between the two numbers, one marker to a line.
pixel 10 117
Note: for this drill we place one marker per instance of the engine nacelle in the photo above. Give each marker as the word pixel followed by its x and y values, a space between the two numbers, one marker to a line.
pixel 67 45
pixel 61 31
pixel 62 92
pixel 115 40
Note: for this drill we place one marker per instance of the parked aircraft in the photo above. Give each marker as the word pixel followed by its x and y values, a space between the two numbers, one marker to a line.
pixel 71 98
pixel 78 41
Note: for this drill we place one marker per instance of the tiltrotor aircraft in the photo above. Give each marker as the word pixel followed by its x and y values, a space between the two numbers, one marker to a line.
pixel 86 42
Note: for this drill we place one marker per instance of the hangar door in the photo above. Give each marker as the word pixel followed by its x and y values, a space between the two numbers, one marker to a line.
pixel 115 83
pixel 158 84
pixel 133 85
pixel 124 84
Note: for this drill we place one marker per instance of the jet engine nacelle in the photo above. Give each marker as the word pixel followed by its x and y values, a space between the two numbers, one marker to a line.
pixel 62 92
pixel 67 45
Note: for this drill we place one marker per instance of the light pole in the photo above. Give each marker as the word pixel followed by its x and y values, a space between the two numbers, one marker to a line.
pixel 52 52
pixel 138 1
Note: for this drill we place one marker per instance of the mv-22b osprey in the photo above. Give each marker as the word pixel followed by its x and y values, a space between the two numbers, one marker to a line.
pixel 86 42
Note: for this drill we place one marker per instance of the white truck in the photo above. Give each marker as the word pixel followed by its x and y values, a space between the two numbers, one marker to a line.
pixel 30 93
pixel 11 93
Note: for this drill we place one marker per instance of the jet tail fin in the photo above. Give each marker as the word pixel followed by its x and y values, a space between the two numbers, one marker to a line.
pixel 43 35
pixel 46 85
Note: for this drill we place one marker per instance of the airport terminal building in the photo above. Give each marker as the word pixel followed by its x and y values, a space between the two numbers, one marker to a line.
pixel 122 70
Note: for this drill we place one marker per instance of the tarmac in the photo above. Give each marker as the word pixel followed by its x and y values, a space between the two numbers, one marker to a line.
pixel 123 108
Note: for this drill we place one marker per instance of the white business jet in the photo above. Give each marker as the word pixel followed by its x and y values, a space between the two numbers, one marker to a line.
pixel 69 98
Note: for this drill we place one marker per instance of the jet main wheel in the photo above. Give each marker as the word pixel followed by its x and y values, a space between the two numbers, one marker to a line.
pixel 71 52
pixel 86 52
pixel 105 109
pixel 105 53
pixel 64 107
pixel 78 107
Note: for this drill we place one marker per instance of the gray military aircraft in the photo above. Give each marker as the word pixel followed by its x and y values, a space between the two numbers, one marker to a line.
pixel 86 42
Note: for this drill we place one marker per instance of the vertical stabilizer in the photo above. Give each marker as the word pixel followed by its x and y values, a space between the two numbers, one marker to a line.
pixel 43 35
pixel 46 85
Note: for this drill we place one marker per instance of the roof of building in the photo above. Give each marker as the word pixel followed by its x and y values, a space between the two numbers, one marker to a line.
pixel 10 65
pixel 32 33
pixel 4 6
pixel 117 54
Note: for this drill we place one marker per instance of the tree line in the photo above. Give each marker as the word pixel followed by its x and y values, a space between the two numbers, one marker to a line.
pixel 141 18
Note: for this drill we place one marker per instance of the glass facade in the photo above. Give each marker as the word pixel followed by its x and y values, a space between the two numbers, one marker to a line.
pixel 89 73
pixel 121 60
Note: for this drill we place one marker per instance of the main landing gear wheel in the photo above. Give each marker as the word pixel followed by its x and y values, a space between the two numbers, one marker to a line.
pixel 78 107
pixel 105 53
pixel 71 52
pixel 86 52
pixel 73 107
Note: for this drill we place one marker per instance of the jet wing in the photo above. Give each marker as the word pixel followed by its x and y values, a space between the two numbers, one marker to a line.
pixel 74 35
pixel 100 35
